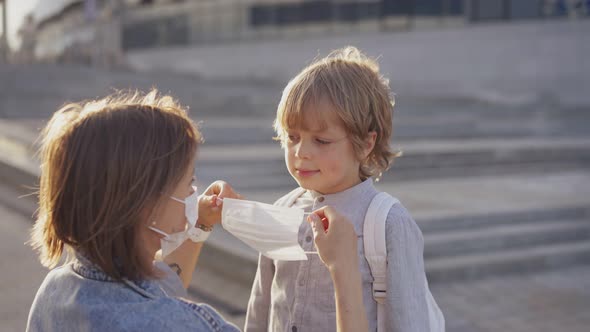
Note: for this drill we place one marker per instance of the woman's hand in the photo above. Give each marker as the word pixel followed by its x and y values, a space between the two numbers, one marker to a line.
pixel 211 201
pixel 335 239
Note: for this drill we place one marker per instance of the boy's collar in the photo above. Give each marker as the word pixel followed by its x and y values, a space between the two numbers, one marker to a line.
pixel 351 192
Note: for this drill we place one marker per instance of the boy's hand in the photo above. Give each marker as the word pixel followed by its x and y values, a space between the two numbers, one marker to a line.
pixel 211 202
pixel 336 243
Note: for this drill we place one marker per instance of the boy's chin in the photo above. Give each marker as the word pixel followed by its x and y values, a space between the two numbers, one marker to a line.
pixel 308 186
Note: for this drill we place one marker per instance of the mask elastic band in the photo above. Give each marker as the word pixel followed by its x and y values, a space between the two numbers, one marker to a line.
pixel 158 231
pixel 310 252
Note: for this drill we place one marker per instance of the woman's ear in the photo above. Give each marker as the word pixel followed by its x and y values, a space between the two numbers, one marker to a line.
pixel 369 144
pixel 149 213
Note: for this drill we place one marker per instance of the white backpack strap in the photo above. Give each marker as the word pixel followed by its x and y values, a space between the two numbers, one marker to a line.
pixel 376 250
pixel 435 315
pixel 374 240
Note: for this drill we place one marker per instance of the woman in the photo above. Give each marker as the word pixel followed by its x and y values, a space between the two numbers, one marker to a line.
pixel 115 188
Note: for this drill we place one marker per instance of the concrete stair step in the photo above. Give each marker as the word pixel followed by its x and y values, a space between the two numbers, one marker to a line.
pixel 475 222
pixel 26 94
pixel 262 166
pixel 419 120
pixel 271 177
pixel 417 152
pixel 479 265
pixel 499 237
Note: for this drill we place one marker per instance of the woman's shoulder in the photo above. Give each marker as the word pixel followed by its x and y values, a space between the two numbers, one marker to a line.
pixel 112 306
pixel 158 314
pixel 61 275
pixel 208 316
pixel 170 313
pixel 175 314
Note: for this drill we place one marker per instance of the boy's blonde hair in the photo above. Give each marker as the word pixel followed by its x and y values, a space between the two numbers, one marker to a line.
pixel 351 82
pixel 105 165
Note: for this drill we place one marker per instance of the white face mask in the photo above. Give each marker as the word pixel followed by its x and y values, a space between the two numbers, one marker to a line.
pixel 171 242
pixel 191 206
pixel 271 230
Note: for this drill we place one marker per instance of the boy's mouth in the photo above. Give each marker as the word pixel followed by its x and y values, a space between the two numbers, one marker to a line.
pixel 306 172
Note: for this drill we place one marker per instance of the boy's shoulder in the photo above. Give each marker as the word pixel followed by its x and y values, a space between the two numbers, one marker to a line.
pixel 397 210
pixel 289 198
pixel 400 223
pixel 399 217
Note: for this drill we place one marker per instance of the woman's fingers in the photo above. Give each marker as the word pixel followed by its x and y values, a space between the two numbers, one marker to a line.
pixel 209 209
pixel 222 189
pixel 317 227
pixel 212 201
pixel 337 242
pixel 326 214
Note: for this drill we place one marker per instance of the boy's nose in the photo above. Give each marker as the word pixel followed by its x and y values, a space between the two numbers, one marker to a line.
pixel 302 151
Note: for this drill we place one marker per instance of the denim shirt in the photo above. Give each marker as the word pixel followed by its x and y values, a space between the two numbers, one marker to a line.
pixel 80 297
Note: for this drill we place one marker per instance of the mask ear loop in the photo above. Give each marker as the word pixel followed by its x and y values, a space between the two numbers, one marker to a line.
pixel 310 213
pixel 158 231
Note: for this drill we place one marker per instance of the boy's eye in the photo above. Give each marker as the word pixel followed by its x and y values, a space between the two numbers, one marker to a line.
pixel 292 138
pixel 321 141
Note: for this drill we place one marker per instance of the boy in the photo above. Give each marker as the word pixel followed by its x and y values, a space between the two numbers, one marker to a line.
pixel 335 122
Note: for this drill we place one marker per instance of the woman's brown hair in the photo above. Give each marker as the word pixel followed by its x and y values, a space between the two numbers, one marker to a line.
pixel 104 166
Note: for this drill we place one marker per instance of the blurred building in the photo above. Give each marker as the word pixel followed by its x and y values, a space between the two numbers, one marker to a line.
pixel 167 22
pixel 79 30
pixel 4 49
pixel 28 40
pixel 65 25
pixel 60 24
pixel 206 21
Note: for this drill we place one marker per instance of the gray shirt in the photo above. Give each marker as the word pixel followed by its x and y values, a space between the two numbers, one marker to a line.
pixel 299 296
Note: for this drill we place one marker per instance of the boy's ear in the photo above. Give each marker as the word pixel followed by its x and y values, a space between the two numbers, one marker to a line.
pixel 369 144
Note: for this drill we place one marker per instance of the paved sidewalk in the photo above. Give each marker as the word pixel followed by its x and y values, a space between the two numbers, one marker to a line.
pixel 555 301
pixel 22 273
pixel 543 302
